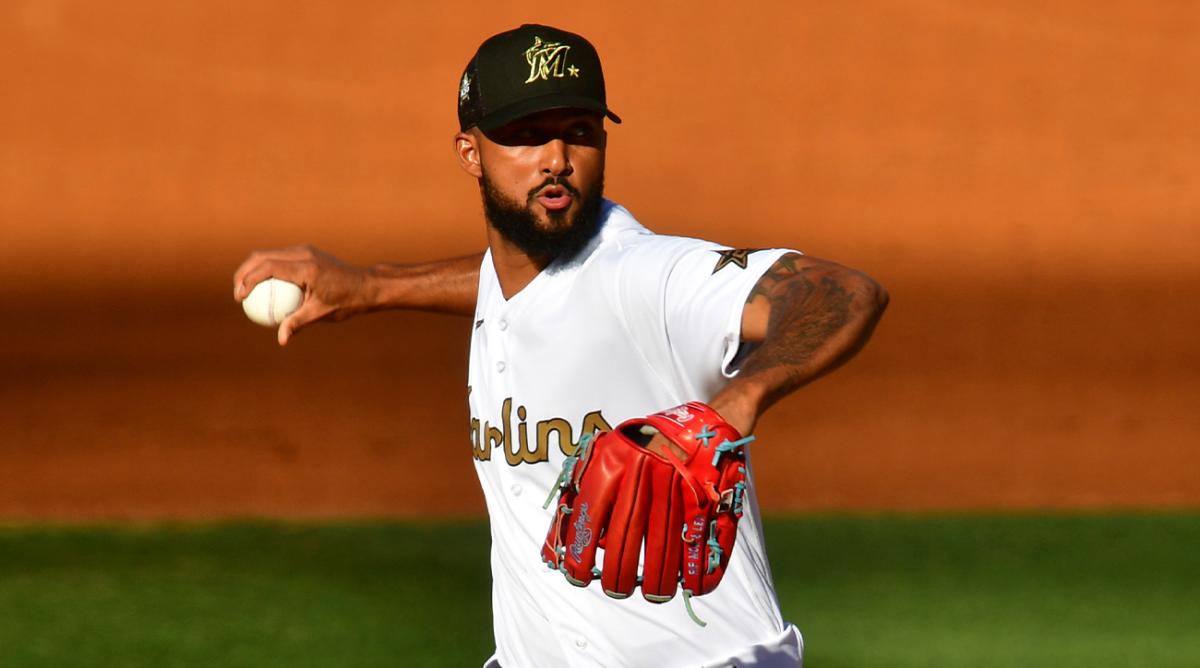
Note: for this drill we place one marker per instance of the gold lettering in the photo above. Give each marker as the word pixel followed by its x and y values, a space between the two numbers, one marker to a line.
pixel 495 438
pixel 559 427
pixel 475 449
pixel 592 422
pixel 516 446
pixel 520 454
pixel 546 59
pixel 505 413
pixel 522 430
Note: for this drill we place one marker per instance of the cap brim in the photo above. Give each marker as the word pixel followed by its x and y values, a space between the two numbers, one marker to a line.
pixel 501 117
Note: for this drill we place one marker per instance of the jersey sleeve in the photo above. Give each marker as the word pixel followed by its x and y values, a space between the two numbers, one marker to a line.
pixel 685 298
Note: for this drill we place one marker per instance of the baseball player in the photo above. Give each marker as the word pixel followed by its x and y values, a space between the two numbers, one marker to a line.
pixel 583 318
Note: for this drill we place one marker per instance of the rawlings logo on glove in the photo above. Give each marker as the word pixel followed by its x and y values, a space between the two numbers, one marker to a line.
pixel 678 505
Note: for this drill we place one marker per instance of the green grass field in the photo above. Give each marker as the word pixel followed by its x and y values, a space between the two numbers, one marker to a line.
pixel 890 590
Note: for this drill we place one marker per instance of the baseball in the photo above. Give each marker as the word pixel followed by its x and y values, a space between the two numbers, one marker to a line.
pixel 271 301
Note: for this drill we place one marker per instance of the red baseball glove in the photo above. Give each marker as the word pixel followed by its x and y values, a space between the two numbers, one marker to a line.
pixel 617 495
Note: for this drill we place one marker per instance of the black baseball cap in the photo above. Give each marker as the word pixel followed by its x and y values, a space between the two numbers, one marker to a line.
pixel 526 70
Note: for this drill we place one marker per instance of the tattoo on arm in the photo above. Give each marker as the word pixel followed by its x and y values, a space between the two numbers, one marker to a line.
pixel 820 315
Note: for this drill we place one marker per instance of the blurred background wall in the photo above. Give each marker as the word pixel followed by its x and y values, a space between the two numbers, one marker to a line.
pixel 1023 176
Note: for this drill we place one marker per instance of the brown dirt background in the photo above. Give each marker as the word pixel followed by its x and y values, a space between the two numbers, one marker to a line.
pixel 1024 177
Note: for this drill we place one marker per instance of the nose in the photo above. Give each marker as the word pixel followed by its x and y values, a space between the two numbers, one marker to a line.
pixel 555 159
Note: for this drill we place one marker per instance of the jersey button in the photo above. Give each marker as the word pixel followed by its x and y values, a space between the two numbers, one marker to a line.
pixel 516 489
pixel 581 643
pixel 500 366
pixel 503 325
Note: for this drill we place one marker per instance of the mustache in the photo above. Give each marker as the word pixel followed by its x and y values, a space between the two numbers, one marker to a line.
pixel 554 181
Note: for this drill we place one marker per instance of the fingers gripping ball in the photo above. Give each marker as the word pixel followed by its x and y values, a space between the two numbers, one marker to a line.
pixel 271 301
pixel 679 514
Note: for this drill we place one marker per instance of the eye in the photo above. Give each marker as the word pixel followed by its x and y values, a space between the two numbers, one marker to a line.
pixel 585 134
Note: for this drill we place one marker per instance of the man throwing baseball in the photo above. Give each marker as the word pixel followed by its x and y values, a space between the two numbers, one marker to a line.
pixel 583 320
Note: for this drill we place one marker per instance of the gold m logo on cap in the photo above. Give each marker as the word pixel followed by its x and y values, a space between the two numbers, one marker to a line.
pixel 548 59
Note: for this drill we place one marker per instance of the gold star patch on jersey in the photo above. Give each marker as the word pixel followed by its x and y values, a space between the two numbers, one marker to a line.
pixel 733 256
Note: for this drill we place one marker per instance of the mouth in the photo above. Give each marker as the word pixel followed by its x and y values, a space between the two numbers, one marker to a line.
pixel 554 198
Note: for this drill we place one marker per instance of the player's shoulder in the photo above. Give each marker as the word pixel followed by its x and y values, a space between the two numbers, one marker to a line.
pixel 625 247
pixel 624 238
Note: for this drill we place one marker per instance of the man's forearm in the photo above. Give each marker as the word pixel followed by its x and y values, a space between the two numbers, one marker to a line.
pixel 442 286
pixel 818 315
pixel 335 290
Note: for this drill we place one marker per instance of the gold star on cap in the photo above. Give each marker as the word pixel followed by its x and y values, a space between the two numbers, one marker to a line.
pixel 573 71
pixel 734 256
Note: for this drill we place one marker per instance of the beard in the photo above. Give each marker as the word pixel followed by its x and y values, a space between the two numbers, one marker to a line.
pixel 562 239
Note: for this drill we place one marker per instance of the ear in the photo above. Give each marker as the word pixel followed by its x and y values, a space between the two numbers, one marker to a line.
pixel 466 147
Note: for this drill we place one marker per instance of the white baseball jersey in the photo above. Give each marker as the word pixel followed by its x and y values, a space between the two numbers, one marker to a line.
pixel 636 323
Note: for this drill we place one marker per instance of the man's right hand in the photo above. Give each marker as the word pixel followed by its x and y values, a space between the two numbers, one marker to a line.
pixel 333 289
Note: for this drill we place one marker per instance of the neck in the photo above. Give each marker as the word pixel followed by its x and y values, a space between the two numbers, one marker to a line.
pixel 514 269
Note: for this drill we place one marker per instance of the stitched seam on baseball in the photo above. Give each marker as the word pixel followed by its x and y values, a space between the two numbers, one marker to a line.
pixel 271 302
